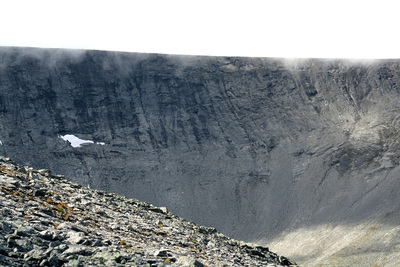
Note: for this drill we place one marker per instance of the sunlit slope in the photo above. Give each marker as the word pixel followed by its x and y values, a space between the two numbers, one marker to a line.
pixel 368 243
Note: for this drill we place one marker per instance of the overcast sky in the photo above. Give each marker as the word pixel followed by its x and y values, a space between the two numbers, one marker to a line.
pixel 280 28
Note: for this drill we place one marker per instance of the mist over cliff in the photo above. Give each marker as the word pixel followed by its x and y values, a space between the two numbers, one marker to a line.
pixel 300 154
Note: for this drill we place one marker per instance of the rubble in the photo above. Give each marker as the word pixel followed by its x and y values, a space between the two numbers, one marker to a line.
pixel 46 220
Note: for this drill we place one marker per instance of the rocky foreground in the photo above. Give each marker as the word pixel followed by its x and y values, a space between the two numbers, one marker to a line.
pixel 47 220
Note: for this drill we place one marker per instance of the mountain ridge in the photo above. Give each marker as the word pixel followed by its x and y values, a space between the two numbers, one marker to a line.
pixel 256 147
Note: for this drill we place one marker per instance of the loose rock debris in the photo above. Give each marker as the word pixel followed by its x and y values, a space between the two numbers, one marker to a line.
pixel 46 220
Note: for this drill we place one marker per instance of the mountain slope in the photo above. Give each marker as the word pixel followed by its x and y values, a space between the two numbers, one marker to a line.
pixel 262 149
pixel 49 221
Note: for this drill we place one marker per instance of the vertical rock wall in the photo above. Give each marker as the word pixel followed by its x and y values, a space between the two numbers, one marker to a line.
pixel 251 146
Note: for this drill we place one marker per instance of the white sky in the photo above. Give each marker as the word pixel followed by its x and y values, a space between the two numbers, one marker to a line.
pixel 280 28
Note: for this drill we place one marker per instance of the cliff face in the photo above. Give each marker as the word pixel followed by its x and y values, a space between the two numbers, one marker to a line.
pixel 256 147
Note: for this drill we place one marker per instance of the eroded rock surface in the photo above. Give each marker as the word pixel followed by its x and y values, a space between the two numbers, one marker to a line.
pixel 46 220
pixel 263 149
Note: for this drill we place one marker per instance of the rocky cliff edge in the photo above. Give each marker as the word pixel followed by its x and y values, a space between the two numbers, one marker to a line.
pixel 46 220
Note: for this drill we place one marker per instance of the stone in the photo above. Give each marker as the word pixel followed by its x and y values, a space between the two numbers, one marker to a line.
pixel 75 237
pixel 5 227
pixel 188 261
pixel 53 261
pixel 44 172
pixel 24 245
pixel 74 227
pixel 40 192
pixel 73 263
pixel 162 253
pixel 8 182
pixel 75 250
pixel 47 235
pixel 62 247
pixel 24 231
pixel 136 233
pixel 162 210
pixel 97 243
pixel 36 254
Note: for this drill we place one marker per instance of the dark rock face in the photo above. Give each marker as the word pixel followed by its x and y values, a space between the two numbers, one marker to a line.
pixel 251 146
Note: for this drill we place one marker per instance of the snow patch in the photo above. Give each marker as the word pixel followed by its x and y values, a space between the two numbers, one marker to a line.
pixel 76 141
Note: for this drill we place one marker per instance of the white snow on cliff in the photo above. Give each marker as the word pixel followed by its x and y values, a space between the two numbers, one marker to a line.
pixel 76 141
